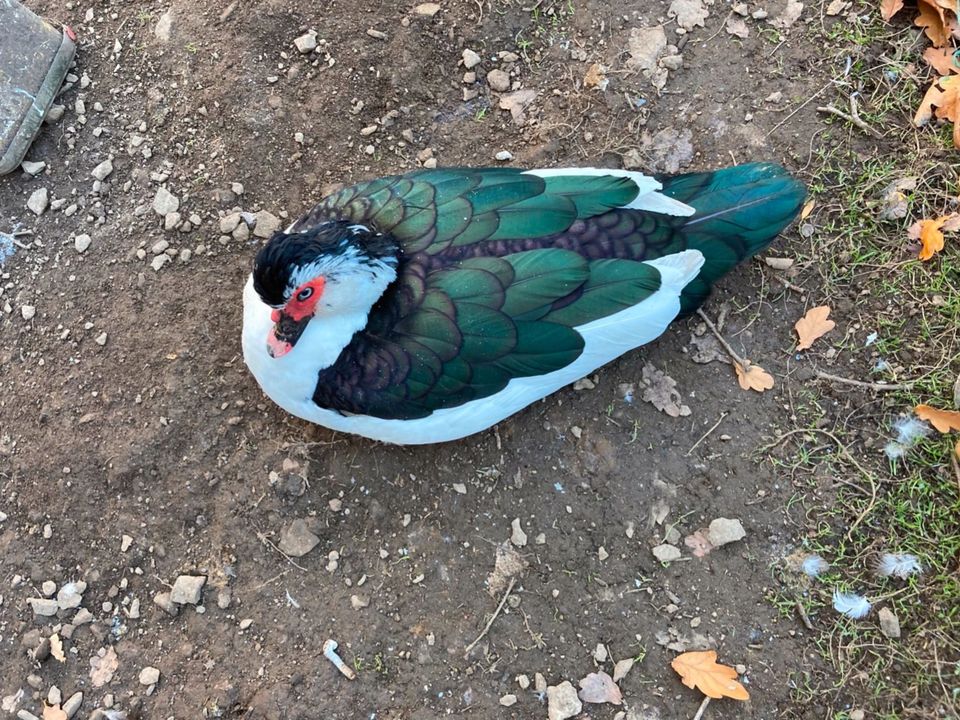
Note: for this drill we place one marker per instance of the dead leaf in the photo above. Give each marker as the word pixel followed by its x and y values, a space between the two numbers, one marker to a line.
pixel 941 60
pixel 942 420
pixel 699 543
pixel 807 209
pixel 894 203
pixel 933 22
pixel 689 13
pixel 753 377
pixel 932 98
pixel 956 449
pixel 102 667
pixel 706 349
pixel 508 565
pixel 599 688
pixel 790 14
pixel 836 7
pixel 889 8
pixel 930 233
pixel 813 325
pixel 595 77
pixel 53 712
pixel 56 648
pixel 700 669
pixel 956 393
pixel 661 391
pixel 737 27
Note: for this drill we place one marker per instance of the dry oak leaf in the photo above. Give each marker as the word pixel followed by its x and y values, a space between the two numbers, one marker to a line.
pixel 956 449
pixel 942 420
pixel 934 22
pixel 813 325
pixel 699 669
pixel 941 60
pixel 753 377
pixel 889 8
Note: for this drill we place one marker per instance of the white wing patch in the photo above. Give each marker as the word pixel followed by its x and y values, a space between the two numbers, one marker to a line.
pixel 648 198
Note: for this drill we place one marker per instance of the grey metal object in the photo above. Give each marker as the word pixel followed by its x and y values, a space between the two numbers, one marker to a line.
pixel 34 58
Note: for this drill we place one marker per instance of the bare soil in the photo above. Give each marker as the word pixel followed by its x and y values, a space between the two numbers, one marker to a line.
pixel 161 434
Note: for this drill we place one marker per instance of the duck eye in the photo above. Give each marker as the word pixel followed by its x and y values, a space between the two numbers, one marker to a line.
pixel 305 294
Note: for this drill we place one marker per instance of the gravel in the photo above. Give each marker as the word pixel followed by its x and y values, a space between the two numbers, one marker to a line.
pixel 297 540
pixel 33 168
pixel 498 80
pixel 165 202
pixel 149 676
pixel 266 224
pixel 38 201
pixel 44 607
pixel 724 530
pixel 187 589
pixel 470 59
pixel 82 242
pixel 306 43
pixel 666 553
pixel 562 701
pixel 102 171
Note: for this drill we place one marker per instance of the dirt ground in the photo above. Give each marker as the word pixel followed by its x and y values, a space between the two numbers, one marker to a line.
pixel 126 409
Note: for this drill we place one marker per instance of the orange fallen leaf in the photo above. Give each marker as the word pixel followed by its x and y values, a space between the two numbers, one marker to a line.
pixel 956 449
pixel 932 98
pixel 53 712
pixel 753 377
pixel 813 325
pixel 942 420
pixel 933 21
pixel 699 669
pixel 930 233
pixel 889 8
pixel 807 209
pixel 941 60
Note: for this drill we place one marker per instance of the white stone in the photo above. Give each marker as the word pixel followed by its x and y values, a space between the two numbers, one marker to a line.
pixel 165 202
pixel 306 43
pixel 38 201
pixel 82 242
pixel 102 171
pixel 149 676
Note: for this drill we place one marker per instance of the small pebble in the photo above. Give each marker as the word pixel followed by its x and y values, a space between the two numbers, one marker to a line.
pixel 81 243
pixel 187 589
pixel 102 171
pixel 508 700
pixel 149 676
pixel 38 201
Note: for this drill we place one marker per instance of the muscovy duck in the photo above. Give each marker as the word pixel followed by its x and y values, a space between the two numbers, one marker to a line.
pixel 426 307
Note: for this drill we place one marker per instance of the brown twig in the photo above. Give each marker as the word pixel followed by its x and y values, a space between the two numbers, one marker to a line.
pixel 860 383
pixel 853 116
pixel 801 611
pixel 726 346
pixel 707 433
pixel 703 706
pixel 503 601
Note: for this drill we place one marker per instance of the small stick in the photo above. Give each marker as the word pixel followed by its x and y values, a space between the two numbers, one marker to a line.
pixel 789 285
pixel 503 601
pixel 723 341
pixel 707 433
pixel 860 383
pixel 853 116
pixel 330 653
pixel 803 616
pixel 266 541
pixel 703 706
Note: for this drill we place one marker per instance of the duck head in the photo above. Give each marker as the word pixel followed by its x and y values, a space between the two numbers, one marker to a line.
pixel 330 269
